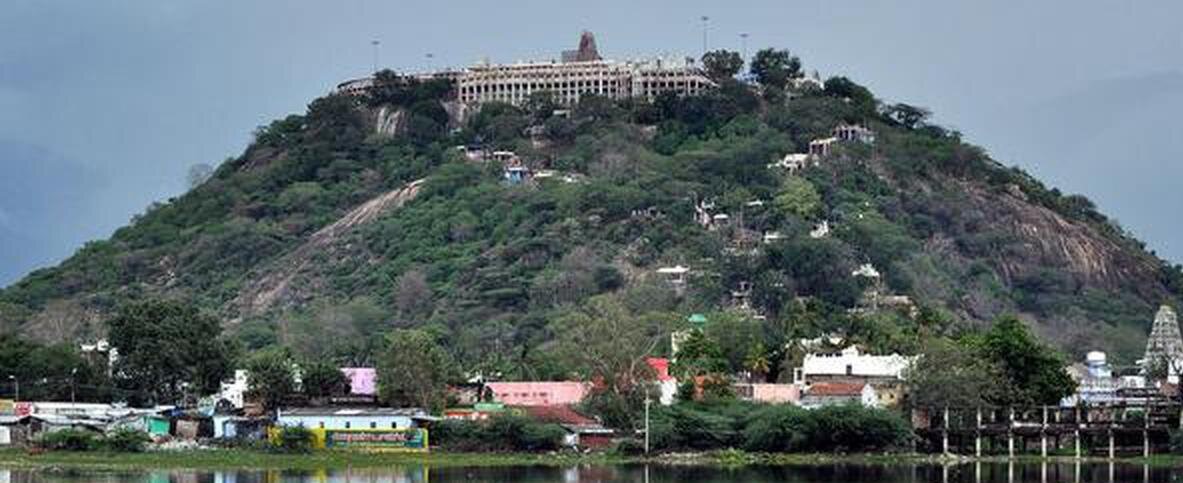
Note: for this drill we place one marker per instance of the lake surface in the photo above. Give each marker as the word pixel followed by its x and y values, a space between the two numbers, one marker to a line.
pixel 972 472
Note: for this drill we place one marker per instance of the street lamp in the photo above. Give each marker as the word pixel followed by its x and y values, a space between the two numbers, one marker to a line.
pixel 647 403
pixel 73 383
pixel 705 22
pixel 17 383
pixel 375 44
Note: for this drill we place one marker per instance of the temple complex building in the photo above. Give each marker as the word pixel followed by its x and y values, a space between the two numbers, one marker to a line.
pixel 579 73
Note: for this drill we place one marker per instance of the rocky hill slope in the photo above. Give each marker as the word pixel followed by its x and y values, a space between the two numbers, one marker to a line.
pixel 360 216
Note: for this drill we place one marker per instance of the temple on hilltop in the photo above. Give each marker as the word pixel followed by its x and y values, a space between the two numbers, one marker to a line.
pixel 587 50
pixel 577 74
pixel 1165 345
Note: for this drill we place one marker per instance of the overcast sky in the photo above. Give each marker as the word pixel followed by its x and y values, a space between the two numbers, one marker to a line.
pixel 104 105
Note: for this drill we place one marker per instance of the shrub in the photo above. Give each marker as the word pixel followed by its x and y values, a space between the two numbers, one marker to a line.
pixel 68 440
pixel 629 447
pixel 501 433
pixel 1177 442
pixel 856 428
pixel 125 440
pixel 777 429
pixel 293 439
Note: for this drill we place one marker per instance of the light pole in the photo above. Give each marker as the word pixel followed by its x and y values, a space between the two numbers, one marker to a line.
pixel 375 44
pixel 705 22
pixel 647 403
pixel 17 383
pixel 743 42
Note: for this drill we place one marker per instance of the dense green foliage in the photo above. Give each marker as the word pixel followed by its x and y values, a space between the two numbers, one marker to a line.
pixel 167 350
pixel 293 439
pixel 119 441
pixel 778 428
pixel 415 371
pixel 501 433
pixel 1003 366
pixel 50 372
pixel 271 377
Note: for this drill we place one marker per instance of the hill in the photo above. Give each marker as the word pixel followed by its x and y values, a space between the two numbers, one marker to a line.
pixel 360 216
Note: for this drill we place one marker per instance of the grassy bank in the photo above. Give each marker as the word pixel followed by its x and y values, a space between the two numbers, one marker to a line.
pixel 250 459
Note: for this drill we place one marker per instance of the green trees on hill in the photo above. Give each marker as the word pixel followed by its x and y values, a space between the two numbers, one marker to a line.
pixel 496 273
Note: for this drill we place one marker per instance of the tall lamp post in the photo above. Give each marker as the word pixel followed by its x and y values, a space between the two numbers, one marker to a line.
pixel 375 44
pixel 647 403
pixel 705 23
pixel 17 384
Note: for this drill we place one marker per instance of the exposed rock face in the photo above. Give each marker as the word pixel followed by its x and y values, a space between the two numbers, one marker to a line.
pixel 285 281
pixel 390 122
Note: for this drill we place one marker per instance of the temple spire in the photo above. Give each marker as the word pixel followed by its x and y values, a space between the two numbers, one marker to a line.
pixel 1165 343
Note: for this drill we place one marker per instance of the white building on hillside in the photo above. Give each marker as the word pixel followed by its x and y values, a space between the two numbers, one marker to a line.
pixel 851 364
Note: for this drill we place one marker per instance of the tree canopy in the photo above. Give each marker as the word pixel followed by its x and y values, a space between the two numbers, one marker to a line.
pixel 414 370
pixel 722 64
pixel 167 350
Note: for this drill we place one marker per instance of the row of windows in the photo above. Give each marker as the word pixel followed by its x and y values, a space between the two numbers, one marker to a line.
pixel 535 86
pixel 524 394
pixel 373 425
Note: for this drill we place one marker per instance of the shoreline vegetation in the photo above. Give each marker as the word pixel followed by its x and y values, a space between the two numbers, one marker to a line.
pixel 232 459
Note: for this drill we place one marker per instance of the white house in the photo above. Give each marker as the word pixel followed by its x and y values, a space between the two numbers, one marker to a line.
pixel 234 391
pixel 851 364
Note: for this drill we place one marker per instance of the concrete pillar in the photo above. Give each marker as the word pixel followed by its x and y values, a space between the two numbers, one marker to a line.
pixel 978 436
pixel 1043 435
pixel 945 433
pixel 1010 434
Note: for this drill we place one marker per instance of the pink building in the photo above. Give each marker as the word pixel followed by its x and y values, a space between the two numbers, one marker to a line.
pixel 362 380
pixel 769 393
pixel 538 393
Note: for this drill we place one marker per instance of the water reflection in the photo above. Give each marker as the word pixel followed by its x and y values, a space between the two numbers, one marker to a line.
pixel 954 473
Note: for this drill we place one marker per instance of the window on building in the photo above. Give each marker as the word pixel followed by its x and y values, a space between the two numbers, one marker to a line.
pixel 393 425
pixel 322 425
pixel 373 425
pixel 346 424
pixel 849 370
